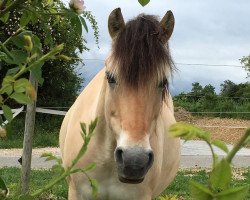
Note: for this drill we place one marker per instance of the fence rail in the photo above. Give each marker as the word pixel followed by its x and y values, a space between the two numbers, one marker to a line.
pixel 46 110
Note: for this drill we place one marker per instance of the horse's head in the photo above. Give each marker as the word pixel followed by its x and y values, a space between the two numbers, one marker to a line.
pixel 137 81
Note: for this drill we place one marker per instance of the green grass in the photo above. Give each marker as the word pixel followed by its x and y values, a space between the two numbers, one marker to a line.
pixel 41 177
pixel 44 139
pixel 38 179
pixel 45 135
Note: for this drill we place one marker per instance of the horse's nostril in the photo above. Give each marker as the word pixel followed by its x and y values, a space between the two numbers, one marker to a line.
pixel 118 155
pixel 150 158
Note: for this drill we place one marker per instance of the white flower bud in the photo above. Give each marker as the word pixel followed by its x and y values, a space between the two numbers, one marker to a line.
pixel 77 6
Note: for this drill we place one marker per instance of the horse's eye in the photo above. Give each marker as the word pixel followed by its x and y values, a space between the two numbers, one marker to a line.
pixel 110 78
pixel 163 84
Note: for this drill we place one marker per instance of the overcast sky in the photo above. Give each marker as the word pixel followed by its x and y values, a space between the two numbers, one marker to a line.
pixel 209 32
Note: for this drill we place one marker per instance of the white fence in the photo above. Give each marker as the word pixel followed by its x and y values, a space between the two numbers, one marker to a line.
pixel 47 110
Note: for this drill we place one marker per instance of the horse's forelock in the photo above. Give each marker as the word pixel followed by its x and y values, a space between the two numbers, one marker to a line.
pixel 138 53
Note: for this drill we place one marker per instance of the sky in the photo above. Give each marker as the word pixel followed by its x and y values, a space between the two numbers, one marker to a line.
pixel 207 32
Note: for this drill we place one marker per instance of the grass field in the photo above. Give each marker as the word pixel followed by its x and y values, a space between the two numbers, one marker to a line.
pixel 45 139
pixel 45 135
pixel 179 186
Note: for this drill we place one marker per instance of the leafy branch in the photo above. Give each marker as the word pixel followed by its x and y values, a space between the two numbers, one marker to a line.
pixel 87 133
pixel 221 174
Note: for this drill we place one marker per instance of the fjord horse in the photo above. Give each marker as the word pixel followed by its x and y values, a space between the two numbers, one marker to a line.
pixel 135 157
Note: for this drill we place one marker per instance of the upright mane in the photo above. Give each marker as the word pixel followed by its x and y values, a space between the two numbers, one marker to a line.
pixel 139 52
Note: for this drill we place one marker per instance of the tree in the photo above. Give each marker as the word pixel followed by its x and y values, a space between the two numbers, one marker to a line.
pixel 59 76
pixel 196 91
pixel 209 99
pixel 230 89
pixel 246 62
pixel 26 50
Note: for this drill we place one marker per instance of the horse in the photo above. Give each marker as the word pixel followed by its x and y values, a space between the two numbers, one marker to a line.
pixel 135 157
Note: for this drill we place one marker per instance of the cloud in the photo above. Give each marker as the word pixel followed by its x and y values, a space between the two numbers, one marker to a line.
pixel 210 32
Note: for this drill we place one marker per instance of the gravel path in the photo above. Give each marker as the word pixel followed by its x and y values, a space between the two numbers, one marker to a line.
pixel 193 154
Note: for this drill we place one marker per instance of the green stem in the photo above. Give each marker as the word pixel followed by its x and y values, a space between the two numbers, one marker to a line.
pixel 16 33
pixel 213 154
pixel 53 52
pixel 52 183
pixel 68 171
pixel 13 5
pixel 238 146
pixel 6 50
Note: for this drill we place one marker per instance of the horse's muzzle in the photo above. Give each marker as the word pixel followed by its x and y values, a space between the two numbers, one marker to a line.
pixel 133 164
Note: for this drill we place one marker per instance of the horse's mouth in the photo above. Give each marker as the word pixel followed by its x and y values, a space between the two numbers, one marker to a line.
pixel 130 181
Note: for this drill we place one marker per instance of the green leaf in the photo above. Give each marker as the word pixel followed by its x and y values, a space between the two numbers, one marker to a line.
pixel 94 186
pixel 221 145
pixel 33 18
pixel 188 132
pixel 7 88
pixel 84 24
pixel 143 2
pixel 7 113
pixel 49 2
pixel 238 193
pixel 44 155
pixel 25 18
pixel 21 98
pixel 58 169
pixel 21 84
pixel 200 192
pixel 48 40
pixel 220 176
pixel 48 156
pixel 92 126
pixel 89 167
pixel 19 39
pixel 3 188
pixel 3 56
pixel 83 127
pixel 37 46
pixel 19 57
pixel 76 22
pixel 5 18
pixel 13 71
pixel 8 80
pixel 7 85
pixel 37 72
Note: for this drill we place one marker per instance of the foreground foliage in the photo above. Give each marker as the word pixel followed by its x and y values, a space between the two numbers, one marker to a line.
pixel 179 187
pixel 218 184
pixel 61 173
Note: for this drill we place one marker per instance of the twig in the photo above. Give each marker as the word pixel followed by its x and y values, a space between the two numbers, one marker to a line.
pixel 11 6
pixel 238 146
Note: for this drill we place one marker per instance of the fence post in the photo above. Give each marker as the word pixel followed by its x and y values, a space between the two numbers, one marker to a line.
pixel 28 139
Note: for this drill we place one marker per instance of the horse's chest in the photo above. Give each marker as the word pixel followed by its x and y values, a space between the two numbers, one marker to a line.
pixel 110 188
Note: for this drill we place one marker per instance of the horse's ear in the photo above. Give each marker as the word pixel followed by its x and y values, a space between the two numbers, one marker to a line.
pixel 115 22
pixel 167 25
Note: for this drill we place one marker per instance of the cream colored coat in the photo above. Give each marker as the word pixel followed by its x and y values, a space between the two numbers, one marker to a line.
pixel 91 104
